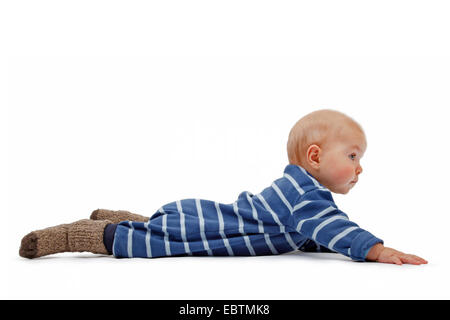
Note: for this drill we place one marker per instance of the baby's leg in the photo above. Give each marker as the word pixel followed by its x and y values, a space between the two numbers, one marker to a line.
pixel 83 235
pixel 117 216
pixel 163 237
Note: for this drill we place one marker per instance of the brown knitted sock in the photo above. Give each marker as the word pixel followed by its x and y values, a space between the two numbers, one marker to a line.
pixel 80 236
pixel 117 216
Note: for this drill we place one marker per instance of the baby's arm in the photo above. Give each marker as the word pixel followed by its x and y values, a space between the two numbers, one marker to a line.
pixel 317 217
pixel 380 253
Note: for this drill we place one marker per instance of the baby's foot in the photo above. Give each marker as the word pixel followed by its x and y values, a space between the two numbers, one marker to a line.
pixel 80 236
pixel 117 216
pixel 43 242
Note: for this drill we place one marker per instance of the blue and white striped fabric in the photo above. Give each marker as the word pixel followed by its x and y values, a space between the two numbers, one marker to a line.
pixel 295 213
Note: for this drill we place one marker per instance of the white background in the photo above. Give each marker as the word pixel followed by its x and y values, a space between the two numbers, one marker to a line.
pixel 133 104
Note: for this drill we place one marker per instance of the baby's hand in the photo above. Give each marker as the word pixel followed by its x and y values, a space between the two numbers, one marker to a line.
pixel 380 253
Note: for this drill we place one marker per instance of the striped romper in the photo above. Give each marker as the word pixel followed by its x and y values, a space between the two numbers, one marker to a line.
pixel 295 213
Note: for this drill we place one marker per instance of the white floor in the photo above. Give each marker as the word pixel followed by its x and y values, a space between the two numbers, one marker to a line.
pixel 102 119
pixel 290 276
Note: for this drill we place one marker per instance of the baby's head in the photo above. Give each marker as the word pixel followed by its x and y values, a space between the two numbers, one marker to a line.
pixel 329 145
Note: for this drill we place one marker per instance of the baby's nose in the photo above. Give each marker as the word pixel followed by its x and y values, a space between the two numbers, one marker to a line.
pixel 359 170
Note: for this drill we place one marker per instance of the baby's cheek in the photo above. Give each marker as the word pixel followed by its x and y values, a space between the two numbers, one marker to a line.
pixel 344 174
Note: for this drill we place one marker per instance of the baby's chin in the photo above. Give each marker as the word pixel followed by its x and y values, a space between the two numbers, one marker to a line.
pixel 342 189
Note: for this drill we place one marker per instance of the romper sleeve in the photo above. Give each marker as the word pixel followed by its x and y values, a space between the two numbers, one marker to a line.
pixel 317 217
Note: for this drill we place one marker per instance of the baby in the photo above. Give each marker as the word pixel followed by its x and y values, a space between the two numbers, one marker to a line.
pixel 297 212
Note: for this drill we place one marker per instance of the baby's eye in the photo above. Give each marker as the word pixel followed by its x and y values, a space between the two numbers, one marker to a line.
pixel 352 156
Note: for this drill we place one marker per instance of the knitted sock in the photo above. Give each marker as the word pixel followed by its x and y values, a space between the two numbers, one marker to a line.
pixel 80 236
pixel 117 216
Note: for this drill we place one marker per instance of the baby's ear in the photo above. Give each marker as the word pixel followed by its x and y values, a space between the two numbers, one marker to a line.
pixel 313 156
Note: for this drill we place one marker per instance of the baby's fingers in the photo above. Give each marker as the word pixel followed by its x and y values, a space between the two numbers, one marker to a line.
pixel 396 260
pixel 420 259
pixel 412 259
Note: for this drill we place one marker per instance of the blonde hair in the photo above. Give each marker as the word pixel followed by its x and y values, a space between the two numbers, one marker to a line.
pixel 316 128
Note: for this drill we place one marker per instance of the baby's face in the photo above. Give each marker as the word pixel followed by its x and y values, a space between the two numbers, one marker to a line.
pixel 340 161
